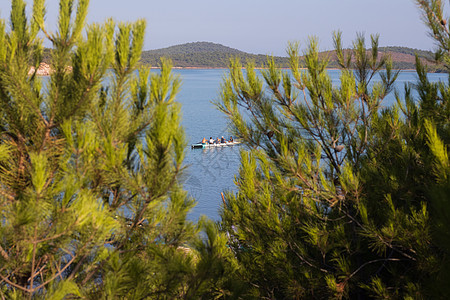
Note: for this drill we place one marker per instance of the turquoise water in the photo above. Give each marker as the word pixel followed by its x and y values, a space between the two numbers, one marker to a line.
pixel 211 171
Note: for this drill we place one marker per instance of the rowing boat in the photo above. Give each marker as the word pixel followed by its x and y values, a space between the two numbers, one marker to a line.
pixel 208 145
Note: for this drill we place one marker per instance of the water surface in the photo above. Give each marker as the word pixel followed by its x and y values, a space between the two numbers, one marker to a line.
pixel 211 171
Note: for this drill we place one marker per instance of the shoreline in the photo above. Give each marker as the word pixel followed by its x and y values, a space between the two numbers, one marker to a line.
pixel 46 69
pixel 259 68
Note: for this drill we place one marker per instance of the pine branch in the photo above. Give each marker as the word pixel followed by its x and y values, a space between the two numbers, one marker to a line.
pixel 14 284
pixel 33 260
pixel 3 253
pixel 371 262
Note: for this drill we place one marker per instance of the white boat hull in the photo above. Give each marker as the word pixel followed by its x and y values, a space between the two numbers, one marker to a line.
pixel 208 145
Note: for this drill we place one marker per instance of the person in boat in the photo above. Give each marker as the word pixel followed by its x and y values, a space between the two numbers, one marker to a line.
pixel 204 141
pixel 231 139
pixel 218 141
pixel 222 140
pixel 211 140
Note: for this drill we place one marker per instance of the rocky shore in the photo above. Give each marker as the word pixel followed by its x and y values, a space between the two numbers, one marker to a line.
pixel 45 70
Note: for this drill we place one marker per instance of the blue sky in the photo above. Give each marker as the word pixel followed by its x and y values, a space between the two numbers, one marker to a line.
pixel 261 26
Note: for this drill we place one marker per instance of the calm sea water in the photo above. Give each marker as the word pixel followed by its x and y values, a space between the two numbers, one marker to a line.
pixel 211 171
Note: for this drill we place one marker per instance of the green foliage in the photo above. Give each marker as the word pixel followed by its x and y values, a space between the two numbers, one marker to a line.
pixel 338 197
pixel 91 204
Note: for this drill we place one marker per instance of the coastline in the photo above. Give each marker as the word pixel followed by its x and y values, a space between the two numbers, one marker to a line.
pixel 46 69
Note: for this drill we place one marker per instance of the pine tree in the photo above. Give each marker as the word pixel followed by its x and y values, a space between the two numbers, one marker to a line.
pixel 339 196
pixel 91 202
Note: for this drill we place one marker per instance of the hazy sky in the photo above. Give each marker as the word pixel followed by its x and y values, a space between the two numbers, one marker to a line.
pixel 260 26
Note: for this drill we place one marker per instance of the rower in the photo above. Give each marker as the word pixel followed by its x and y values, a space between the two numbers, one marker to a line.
pixel 222 140
pixel 204 141
pixel 211 141
pixel 231 139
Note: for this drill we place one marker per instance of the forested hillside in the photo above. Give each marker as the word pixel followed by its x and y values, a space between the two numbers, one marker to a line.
pixel 204 55
pixel 211 55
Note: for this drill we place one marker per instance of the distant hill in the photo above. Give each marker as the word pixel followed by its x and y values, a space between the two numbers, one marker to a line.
pixel 204 55
pixel 405 58
pixel 197 47
pixel 211 55
pixel 408 51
